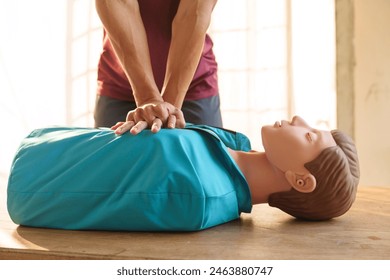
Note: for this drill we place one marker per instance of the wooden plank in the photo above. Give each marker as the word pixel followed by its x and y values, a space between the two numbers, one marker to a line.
pixel 267 233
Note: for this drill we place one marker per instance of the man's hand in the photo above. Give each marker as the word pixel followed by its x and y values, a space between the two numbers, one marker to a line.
pixel 153 116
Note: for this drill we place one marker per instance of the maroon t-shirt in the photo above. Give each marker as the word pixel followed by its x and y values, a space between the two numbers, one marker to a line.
pixel 157 16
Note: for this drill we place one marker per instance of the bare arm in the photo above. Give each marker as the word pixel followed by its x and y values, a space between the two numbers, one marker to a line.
pixel 188 34
pixel 126 31
pixel 123 22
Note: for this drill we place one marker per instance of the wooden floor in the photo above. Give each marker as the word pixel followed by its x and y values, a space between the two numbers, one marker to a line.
pixel 267 233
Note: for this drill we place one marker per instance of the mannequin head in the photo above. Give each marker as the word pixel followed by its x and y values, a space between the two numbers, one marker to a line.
pixel 321 167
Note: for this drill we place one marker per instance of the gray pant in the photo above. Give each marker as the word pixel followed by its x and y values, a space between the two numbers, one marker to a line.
pixel 109 111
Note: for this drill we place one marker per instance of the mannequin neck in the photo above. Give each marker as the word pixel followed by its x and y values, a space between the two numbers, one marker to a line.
pixel 263 177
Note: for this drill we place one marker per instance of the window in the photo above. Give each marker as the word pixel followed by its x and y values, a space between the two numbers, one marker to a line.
pixel 276 59
pixel 83 46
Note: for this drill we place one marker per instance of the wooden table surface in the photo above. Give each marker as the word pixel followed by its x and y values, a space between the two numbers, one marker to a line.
pixel 266 233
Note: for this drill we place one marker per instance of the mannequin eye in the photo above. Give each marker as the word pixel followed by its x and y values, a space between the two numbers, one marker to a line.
pixel 309 137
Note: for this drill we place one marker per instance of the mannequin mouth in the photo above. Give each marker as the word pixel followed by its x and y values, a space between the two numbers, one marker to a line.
pixel 282 123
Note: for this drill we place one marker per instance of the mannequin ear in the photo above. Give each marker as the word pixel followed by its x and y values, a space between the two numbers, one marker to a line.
pixel 303 183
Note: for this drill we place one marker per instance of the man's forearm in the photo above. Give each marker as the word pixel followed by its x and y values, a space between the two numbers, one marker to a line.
pixel 188 35
pixel 123 23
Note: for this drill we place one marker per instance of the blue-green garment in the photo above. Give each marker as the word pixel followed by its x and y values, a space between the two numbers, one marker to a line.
pixel 91 179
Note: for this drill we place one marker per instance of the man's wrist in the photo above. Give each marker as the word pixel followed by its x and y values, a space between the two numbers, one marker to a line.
pixel 155 99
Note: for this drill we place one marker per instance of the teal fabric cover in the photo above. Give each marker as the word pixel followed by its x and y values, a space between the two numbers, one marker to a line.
pixel 91 179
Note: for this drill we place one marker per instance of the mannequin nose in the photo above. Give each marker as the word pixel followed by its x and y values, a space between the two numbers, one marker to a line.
pixel 297 120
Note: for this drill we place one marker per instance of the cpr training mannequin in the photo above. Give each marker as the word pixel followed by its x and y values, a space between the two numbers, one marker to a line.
pixel 178 179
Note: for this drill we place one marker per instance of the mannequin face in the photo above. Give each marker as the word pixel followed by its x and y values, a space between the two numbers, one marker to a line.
pixel 289 145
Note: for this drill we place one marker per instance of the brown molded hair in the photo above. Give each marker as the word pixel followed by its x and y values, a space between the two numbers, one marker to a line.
pixel 337 174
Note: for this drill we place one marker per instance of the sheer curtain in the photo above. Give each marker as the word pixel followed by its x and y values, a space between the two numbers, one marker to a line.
pixel 83 47
pixel 276 59
pixel 32 63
